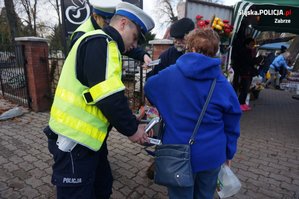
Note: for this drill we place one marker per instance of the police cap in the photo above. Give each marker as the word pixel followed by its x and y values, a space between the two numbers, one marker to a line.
pixel 136 15
pixel 104 8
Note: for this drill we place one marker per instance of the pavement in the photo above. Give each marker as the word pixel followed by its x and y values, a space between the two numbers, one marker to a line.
pixel 267 161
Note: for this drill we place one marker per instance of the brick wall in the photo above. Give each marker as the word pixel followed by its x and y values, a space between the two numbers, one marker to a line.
pixel 160 46
pixel 37 71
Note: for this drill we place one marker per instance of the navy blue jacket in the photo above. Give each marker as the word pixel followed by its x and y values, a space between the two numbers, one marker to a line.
pixel 168 58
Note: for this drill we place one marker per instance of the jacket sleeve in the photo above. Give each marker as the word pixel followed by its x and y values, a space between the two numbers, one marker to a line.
pixel 162 65
pixel 136 53
pixel 116 109
pixel 285 65
pixel 91 70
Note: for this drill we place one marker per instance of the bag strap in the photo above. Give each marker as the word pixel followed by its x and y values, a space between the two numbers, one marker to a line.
pixel 191 141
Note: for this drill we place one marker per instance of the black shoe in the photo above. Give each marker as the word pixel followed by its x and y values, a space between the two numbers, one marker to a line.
pixel 278 88
pixel 295 97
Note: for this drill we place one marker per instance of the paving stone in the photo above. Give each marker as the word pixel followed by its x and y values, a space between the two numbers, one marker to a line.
pixel 26 165
pixel 290 187
pixel 248 174
pixel 3 160
pixel 9 193
pixel 30 158
pixel 258 171
pixel 10 166
pixel 3 186
pixel 34 182
pixel 15 184
pixel 270 181
pixel 47 191
pixel 16 159
pixel 280 178
pixel 30 192
pixel 271 193
pixel 117 195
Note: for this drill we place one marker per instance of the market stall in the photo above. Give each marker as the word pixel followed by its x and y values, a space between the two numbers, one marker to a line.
pixel 252 17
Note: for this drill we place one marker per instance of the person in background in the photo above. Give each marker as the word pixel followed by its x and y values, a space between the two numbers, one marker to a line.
pixel 266 65
pixel 279 62
pixel 247 61
pixel 102 13
pixel 179 93
pixel 283 71
pixel 178 30
pixel 89 101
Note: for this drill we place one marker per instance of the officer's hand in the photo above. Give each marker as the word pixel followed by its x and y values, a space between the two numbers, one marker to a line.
pixel 146 59
pixel 228 163
pixel 140 136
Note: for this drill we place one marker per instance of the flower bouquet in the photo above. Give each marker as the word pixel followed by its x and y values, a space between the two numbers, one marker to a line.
pixel 222 27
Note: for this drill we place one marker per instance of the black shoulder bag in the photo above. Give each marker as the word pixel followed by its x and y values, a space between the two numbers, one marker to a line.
pixel 173 162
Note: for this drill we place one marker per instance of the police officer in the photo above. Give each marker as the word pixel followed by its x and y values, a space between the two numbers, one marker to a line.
pixel 178 30
pixel 102 13
pixel 88 101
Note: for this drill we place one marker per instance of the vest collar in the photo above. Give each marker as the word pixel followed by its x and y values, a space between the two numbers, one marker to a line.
pixel 114 34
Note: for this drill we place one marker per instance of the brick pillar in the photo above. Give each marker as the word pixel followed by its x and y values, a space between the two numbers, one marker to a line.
pixel 159 46
pixel 37 69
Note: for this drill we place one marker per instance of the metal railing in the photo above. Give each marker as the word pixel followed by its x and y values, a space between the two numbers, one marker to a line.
pixel 13 77
pixel 13 80
pixel 133 77
pixel 56 61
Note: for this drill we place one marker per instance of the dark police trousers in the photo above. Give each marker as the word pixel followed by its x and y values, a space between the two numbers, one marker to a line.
pixel 81 173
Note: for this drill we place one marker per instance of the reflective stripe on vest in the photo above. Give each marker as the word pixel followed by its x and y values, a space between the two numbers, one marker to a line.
pixel 70 116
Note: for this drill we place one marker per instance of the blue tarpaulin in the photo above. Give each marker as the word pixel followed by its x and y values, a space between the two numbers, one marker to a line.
pixel 274 46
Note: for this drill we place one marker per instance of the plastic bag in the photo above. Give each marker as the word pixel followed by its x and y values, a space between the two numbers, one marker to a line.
pixel 15 112
pixel 228 184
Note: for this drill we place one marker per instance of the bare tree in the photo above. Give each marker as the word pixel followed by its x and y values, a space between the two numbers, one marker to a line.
pixel 12 18
pixel 30 9
pixel 56 5
pixel 166 14
pixel 166 9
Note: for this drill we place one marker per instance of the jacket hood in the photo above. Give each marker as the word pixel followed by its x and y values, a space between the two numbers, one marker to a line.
pixel 199 66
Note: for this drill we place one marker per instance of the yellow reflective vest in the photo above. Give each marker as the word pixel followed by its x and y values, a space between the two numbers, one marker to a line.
pixel 73 113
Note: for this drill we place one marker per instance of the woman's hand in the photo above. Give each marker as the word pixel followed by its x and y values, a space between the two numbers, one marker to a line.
pixel 228 163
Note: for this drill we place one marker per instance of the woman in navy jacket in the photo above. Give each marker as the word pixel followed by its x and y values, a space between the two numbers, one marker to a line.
pixel 179 93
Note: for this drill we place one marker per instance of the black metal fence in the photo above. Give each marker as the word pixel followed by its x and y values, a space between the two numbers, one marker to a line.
pixel 56 61
pixel 13 80
pixel 133 77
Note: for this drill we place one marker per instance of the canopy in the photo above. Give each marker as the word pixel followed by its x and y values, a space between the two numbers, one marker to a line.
pixel 274 46
pixel 268 15
pixel 251 17
pixel 277 2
